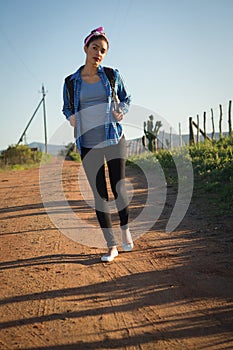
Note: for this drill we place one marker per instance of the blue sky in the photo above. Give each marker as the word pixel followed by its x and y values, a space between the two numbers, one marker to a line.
pixel 176 57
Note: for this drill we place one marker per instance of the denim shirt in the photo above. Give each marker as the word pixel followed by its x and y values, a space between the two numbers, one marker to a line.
pixel 113 129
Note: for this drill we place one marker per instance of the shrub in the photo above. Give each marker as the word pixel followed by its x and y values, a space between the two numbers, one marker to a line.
pixel 19 155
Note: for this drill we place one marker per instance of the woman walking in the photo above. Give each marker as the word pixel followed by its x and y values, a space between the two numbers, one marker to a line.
pixel 95 106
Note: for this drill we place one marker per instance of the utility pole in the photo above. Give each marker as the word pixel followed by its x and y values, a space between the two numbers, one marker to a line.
pixel 45 126
pixel 28 124
pixel 24 132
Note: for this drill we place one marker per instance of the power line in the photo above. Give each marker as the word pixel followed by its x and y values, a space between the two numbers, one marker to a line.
pixel 16 53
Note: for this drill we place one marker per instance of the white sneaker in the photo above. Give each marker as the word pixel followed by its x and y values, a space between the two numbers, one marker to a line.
pixel 127 242
pixel 112 253
pixel 127 247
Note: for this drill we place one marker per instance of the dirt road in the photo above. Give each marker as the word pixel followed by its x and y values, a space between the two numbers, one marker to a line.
pixel 174 291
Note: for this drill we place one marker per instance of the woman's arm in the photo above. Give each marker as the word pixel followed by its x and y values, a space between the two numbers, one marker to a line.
pixel 67 107
pixel 123 95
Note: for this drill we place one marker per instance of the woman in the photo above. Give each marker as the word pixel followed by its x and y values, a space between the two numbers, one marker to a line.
pixel 99 134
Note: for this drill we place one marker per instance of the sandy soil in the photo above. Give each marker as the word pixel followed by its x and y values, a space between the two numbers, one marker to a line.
pixel 174 291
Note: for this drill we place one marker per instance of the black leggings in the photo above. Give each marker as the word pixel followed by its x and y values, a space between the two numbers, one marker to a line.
pixel 94 165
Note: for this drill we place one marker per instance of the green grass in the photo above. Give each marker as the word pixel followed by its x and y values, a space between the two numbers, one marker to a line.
pixel 213 167
pixel 17 167
pixel 212 163
pixel 75 156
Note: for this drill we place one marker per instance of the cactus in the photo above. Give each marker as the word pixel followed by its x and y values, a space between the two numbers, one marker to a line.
pixel 151 132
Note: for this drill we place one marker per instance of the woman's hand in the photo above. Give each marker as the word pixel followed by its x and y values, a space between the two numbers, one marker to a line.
pixel 118 115
pixel 73 120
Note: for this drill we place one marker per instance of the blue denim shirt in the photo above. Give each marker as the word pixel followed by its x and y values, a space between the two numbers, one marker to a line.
pixel 113 129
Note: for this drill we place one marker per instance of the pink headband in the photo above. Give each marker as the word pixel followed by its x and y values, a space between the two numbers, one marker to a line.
pixel 97 31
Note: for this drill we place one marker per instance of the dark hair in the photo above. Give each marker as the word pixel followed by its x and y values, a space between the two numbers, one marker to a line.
pixel 95 37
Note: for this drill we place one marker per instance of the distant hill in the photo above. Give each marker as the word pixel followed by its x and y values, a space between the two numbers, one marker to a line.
pixel 54 150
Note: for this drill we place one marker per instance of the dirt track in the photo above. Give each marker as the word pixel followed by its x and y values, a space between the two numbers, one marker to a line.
pixel 174 291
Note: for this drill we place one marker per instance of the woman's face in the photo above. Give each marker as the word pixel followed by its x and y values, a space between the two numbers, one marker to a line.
pixel 96 52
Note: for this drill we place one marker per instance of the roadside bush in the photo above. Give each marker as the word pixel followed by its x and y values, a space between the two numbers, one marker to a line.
pixel 75 156
pixel 19 155
pixel 70 153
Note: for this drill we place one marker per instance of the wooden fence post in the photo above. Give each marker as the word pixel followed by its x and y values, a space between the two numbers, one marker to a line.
pixel 204 125
pixel 191 134
pixel 220 122
pixel 229 119
pixel 198 129
pixel 171 145
pixel 212 119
